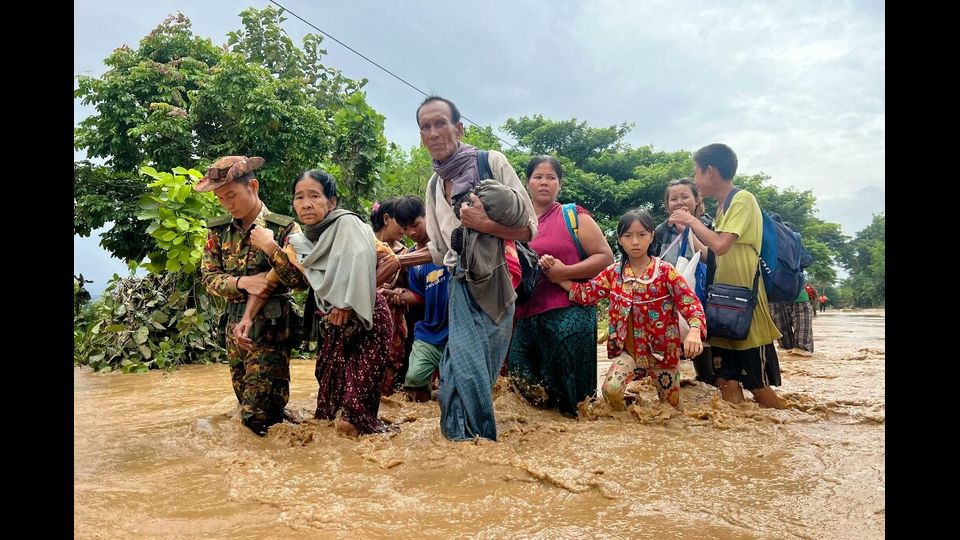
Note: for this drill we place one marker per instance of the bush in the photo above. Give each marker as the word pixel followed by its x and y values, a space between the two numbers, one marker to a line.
pixel 157 321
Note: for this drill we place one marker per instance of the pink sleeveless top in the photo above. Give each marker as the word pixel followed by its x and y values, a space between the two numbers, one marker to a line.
pixel 553 238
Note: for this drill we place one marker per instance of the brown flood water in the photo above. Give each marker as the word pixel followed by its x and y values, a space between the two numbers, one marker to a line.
pixel 162 455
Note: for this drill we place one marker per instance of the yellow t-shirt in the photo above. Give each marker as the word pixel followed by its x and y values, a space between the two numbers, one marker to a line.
pixel 739 265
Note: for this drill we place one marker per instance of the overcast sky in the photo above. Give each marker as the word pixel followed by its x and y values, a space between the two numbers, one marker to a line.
pixel 795 88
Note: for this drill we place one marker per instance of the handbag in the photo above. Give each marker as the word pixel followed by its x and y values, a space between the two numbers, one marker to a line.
pixel 729 309
pixel 530 273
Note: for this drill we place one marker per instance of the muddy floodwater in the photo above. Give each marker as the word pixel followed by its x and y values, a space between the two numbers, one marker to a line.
pixel 163 455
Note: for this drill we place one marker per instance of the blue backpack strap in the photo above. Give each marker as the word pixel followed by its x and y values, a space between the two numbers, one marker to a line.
pixel 572 220
pixel 763 215
pixel 683 241
pixel 729 199
pixel 483 165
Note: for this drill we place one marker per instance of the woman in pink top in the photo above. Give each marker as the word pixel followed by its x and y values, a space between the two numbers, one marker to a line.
pixel 553 353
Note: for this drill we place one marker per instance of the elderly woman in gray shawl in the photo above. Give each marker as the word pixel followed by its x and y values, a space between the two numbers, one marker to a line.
pixel 337 254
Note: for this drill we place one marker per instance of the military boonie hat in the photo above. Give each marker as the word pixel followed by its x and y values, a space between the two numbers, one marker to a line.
pixel 227 169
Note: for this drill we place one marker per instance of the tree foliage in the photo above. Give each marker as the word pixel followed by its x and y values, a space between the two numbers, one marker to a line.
pixel 179 100
pixel 866 286
pixel 102 196
pixel 157 321
pixel 165 318
pixel 577 141
pixel 178 217
pixel 405 173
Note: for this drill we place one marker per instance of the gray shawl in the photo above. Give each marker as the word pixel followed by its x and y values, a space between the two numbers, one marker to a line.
pixel 482 260
pixel 341 265
pixel 461 170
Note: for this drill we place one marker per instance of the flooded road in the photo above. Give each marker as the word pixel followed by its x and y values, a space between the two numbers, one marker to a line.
pixel 163 455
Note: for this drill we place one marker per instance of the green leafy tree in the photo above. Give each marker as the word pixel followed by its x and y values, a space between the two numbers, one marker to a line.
pixel 165 318
pixel 179 100
pixel 102 196
pixel 152 322
pixel 262 41
pixel 178 215
pixel 139 88
pixel 577 141
pixel 866 286
pixel 482 137
pixel 360 150
pixel 405 173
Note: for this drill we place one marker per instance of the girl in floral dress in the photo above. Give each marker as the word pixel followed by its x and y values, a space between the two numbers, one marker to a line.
pixel 645 295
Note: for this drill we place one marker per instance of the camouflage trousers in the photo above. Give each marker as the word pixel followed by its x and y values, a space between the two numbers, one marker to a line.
pixel 261 380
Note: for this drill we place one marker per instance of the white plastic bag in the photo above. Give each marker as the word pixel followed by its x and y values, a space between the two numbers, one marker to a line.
pixel 688 271
pixel 686 264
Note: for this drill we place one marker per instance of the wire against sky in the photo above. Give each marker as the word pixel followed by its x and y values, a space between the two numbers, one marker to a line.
pixel 392 74
pixel 404 81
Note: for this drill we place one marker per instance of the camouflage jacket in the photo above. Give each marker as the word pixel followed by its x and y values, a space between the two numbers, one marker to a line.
pixel 229 255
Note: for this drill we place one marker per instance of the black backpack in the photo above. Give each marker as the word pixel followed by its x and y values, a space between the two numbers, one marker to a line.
pixel 530 273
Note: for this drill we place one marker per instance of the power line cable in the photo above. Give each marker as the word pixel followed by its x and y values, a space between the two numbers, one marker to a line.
pixel 392 74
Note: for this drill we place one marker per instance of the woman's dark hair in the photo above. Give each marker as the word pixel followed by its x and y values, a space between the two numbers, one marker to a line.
pixel 380 209
pixel 625 223
pixel 407 209
pixel 536 160
pixel 323 178
pixel 698 210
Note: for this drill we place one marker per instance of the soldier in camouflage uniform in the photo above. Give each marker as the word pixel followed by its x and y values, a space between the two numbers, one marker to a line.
pixel 233 267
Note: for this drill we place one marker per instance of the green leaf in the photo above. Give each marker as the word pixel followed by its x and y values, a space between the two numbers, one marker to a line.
pixel 115 328
pixel 190 312
pixel 141 335
pixel 145 351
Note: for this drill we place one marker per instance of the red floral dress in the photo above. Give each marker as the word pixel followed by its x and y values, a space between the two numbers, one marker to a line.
pixel 652 300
